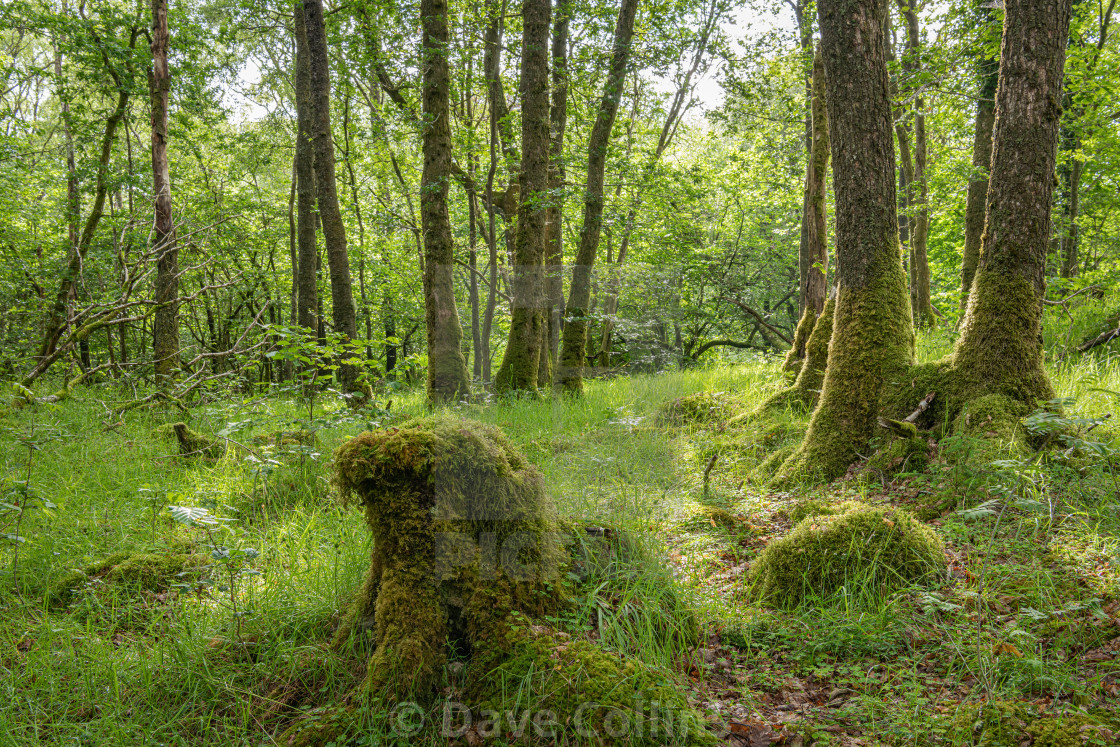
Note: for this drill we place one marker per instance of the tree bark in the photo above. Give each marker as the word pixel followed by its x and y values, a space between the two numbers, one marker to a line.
pixel 573 353
pixel 519 369
pixel 917 198
pixel 872 337
pixel 554 217
pixel 815 221
pixel 981 163
pixel 165 323
pixel 76 254
pixel 1000 348
pixel 343 311
pixel 447 369
pixel 307 218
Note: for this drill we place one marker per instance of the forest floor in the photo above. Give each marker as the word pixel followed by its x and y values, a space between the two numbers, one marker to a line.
pixel 1017 645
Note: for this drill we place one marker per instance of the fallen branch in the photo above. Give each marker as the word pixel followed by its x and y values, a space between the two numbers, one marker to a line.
pixel 907 426
pixel 1101 339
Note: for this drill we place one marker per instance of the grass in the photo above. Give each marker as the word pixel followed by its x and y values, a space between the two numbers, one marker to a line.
pixel 1027 616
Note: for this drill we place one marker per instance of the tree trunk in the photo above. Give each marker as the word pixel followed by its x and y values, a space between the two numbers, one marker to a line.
pixel 918 189
pixel 813 253
pixel 981 163
pixel 519 368
pixel 165 324
pixel 573 353
pixel 872 338
pixel 76 254
pixel 554 217
pixel 343 311
pixel 307 219
pixel 1000 348
pixel 805 37
pixel 447 369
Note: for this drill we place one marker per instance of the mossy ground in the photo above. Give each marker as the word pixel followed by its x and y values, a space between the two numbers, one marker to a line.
pixel 1028 614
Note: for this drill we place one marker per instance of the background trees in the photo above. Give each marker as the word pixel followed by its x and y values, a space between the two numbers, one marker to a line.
pixel 704 204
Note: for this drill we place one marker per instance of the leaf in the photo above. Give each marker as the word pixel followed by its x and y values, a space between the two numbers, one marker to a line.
pixel 192 516
pixel 987 508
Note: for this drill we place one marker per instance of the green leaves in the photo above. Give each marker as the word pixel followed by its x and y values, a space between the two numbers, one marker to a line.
pixel 193 516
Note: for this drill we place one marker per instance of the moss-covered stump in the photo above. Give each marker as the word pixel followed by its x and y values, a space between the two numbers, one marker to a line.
pixel 880 549
pixel 579 693
pixel 699 408
pixel 464 537
pixel 130 571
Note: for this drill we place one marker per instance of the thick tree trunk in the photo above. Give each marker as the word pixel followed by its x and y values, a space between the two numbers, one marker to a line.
pixel 573 353
pixel 343 311
pixel 306 215
pixel 1000 348
pixel 872 338
pixel 519 369
pixel 165 324
pixel 981 163
pixel 554 218
pixel 447 369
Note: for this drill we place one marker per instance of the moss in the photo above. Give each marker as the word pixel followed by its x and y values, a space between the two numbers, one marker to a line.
pixel 585 691
pixel 154 572
pixel 872 343
pixel 191 443
pixel 802 395
pixel 795 357
pixel 899 454
pixel 287 438
pixel 811 507
pixel 1010 724
pixel 1000 348
pixel 699 407
pixel 879 548
pixel 464 536
pixel 996 421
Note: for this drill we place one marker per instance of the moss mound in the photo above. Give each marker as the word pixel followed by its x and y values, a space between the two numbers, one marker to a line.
pixel 1008 724
pixel 876 548
pixel 587 692
pixel 464 538
pixel 700 407
pixel 811 507
pixel 154 572
pixel 287 438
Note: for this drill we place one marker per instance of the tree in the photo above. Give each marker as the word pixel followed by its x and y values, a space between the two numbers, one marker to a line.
pixel 916 188
pixel 975 208
pixel 1000 348
pixel 519 369
pixel 573 354
pixel 343 311
pixel 872 338
pixel 165 324
pixel 447 369
pixel 813 250
pixel 306 271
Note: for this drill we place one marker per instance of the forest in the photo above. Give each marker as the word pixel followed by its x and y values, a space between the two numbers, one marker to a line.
pixel 560 372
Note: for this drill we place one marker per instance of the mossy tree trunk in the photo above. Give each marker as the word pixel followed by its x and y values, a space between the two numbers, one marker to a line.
pixel 917 198
pixel 872 337
pixel 447 369
pixel 554 218
pixel 814 224
pixel 1000 348
pixel 165 321
pixel 343 310
pixel 307 302
pixel 527 338
pixel 573 354
pixel 981 162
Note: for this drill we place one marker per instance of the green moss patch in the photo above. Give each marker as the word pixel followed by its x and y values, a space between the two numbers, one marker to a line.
pixel 699 408
pixel 1008 724
pixel 152 572
pixel 880 549
pixel 578 690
